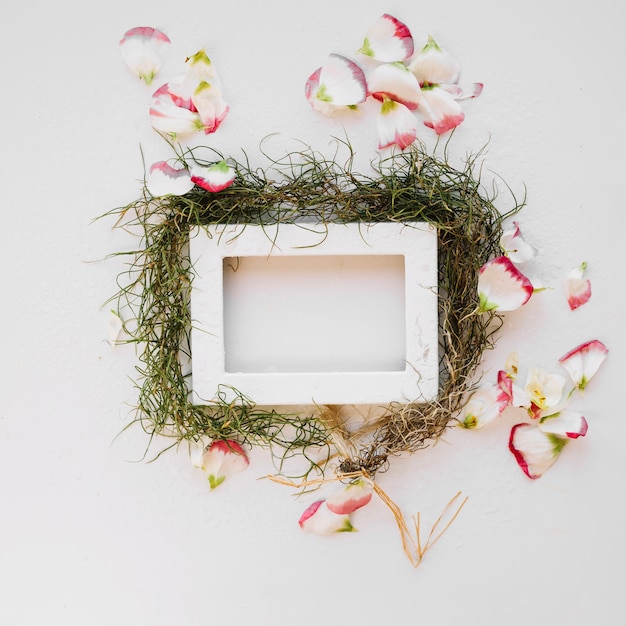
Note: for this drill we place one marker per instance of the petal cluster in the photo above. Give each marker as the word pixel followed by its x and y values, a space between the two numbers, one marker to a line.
pixel 545 398
pixel 406 84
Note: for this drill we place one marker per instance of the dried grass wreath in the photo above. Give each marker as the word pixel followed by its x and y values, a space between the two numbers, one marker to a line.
pixel 154 298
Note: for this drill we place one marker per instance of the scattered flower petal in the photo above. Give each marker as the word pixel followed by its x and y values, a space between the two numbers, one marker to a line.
pixel 210 105
pixel 502 287
pixel 223 459
pixel 320 520
pixel 544 391
pixel 164 180
pixel 144 48
pixel 338 83
pixel 534 450
pixel 484 406
pixel 214 178
pixel 171 114
pixel 439 109
pixel 564 424
pixel 350 498
pixel 577 288
pixel 394 81
pixel 388 40
pixel 396 125
pixel 514 246
pixel 583 361
pixel 433 65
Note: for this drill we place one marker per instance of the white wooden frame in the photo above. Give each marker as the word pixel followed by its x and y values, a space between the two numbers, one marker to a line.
pixel 417 382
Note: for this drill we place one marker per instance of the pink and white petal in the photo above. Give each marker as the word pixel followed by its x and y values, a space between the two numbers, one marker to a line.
pixel 349 498
pixel 502 287
pixel 211 107
pixel 565 424
pixel 463 93
pixel 440 110
pixel 433 65
pixel 396 125
pixel 143 49
pixel 534 450
pixel 168 117
pixel 388 40
pixel 394 81
pixel 583 361
pixel 483 406
pixel 215 178
pixel 577 288
pixel 515 247
pixel 165 180
pixel 340 81
pixel 320 520
pixel 223 459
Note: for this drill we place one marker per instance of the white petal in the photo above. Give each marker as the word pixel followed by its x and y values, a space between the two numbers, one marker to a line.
pixel 514 246
pixel 340 82
pixel 388 40
pixel 396 82
pixel 502 287
pixel 396 125
pixel 534 450
pixel 163 180
pixel 584 361
pixel 564 424
pixel 144 48
pixel 433 65
pixel 320 520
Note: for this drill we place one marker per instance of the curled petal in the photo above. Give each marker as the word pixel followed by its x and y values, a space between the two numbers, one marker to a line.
pixel 577 288
pixel 564 424
pixel 396 125
pixel 144 48
pixel 484 405
pixel 502 287
pixel 212 108
pixel 340 82
pixel 440 109
pixel 320 520
pixel 514 246
pixel 350 498
pixel 214 178
pixel 223 459
pixel 534 450
pixel 172 115
pixel 164 180
pixel 583 361
pixel 433 65
pixel 388 40
pixel 394 81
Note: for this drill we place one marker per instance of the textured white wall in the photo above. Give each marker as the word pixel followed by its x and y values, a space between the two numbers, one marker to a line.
pixel 91 534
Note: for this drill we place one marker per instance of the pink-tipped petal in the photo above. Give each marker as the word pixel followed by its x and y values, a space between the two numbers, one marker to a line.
pixel 565 424
pixel 484 406
pixel 433 65
pixel 440 110
pixel 223 459
pixel 388 40
pixel 534 450
pixel 348 499
pixel 396 125
pixel 583 361
pixel 320 520
pixel 172 115
pixel 577 288
pixel 394 81
pixel 502 287
pixel 339 82
pixel 164 180
pixel 211 107
pixel 515 247
pixel 214 178
pixel 143 49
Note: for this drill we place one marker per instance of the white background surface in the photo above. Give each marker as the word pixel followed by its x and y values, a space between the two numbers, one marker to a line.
pixel 92 534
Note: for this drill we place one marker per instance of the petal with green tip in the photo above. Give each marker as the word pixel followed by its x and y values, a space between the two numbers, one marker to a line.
pixel 388 40
pixel 502 287
pixel 534 450
pixel 583 361
pixel 143 49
